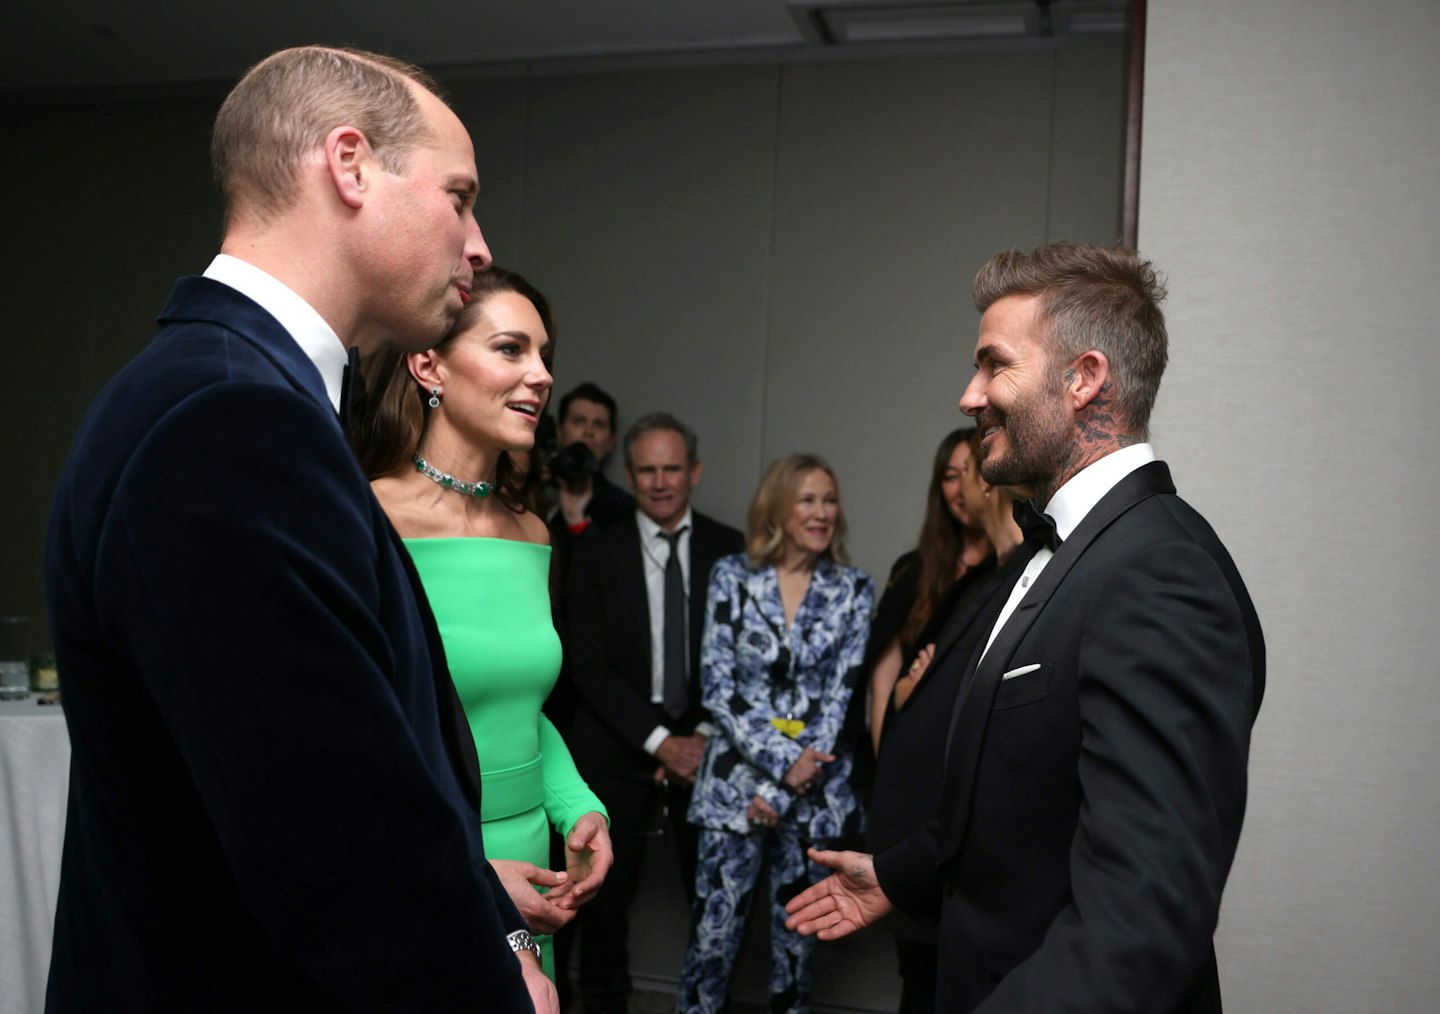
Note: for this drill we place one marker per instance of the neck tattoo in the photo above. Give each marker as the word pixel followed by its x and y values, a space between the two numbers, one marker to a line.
pixel 480 490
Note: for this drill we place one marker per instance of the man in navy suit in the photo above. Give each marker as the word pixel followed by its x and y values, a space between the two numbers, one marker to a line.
pixel 272 804
pixel 636 734
pixel 1096 770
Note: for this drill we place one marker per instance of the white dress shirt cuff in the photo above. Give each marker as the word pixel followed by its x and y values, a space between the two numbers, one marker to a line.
pixel 653 741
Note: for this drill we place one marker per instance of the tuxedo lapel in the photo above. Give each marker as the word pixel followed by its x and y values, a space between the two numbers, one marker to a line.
pixel 977 691
pixel 204 299
pixel 973 601
pixel 209 301
pixel 628 570
pixel 454 724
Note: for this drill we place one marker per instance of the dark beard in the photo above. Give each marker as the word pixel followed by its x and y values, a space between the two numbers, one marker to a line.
pixel 1038 443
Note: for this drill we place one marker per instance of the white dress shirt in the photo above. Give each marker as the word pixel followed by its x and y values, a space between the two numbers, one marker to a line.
pixel 655 549
pixel 316 338
pixel 1068 507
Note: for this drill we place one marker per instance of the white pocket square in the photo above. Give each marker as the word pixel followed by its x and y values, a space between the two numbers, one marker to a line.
pixel 1019 672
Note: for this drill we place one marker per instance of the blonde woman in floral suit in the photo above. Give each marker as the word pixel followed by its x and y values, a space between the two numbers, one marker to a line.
pixel 785 630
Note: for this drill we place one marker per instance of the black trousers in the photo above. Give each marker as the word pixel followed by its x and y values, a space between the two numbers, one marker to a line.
pixel 637 809
pixel 919 964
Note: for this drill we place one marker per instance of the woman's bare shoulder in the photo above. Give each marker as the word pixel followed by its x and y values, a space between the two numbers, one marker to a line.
pixel 533 528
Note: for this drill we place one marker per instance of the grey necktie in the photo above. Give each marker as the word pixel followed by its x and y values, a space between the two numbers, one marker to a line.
pixel 677 691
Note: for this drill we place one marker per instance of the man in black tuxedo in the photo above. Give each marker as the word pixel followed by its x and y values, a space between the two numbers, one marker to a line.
pixel 274 800
pixel 637 610
pixel 1096 769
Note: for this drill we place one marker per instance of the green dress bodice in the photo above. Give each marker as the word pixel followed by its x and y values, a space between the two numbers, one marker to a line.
pixel 491 600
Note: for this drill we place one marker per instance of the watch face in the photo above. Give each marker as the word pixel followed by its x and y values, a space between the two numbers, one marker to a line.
pixel 521 940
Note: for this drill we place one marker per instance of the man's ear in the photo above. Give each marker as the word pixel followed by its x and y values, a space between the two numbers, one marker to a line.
pixel 350 162
pixel 1086 378
pixel 695 471
pixel 425 368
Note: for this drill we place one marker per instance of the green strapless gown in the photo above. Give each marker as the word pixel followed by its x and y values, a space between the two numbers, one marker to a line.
pixel 491 600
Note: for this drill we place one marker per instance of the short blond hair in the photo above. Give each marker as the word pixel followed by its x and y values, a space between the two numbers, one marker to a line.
pixel 284 106
pixel 779 489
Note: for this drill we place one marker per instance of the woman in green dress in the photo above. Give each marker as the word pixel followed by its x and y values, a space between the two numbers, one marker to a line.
pixel 437 443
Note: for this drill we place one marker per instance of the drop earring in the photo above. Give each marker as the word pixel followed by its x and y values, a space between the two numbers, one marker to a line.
pixel 434 397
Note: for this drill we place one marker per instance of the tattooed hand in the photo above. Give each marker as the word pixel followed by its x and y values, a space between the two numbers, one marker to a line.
pixel 843 902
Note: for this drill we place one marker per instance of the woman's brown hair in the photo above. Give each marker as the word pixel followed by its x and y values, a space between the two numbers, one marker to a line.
pixel 941 540
pixel 398 407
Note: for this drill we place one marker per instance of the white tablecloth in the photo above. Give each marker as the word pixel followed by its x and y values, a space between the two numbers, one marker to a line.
pixel 34 785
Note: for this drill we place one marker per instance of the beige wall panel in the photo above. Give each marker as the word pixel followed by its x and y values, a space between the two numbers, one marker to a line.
pixel 647 218
pixel 896 181
pixel 1087 157
pixel 1290 189
pixel 494 110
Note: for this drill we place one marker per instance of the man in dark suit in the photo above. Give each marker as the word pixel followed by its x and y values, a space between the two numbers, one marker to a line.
pixel 586 503
pixel 274 803
pixel 637 610
pixel 1096 770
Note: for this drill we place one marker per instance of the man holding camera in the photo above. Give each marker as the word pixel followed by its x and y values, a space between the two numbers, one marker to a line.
pixel 586 500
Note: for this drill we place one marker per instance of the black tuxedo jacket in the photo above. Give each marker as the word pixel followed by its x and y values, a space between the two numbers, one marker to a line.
pixel 908 780
pixel 609 631
pixel 271 806
pixel 1095 779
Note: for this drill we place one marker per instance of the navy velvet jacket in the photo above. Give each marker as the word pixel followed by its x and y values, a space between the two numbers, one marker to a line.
pixel 270 807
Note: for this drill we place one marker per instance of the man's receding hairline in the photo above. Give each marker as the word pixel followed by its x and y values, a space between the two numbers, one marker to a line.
pixel 679 435
pixel 418 89
pixel 369 59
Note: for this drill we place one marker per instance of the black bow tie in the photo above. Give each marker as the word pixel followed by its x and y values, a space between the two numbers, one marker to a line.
pixel 352 393
pixel 1037 526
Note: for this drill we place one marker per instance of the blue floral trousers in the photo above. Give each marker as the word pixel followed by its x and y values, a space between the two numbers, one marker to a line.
pixel 725 880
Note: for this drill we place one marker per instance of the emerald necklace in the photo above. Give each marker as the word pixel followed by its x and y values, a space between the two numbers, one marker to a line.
pixel 479 490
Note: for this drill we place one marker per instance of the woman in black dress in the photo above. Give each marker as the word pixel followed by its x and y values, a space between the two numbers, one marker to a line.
pixel 914 717
pixel 950 545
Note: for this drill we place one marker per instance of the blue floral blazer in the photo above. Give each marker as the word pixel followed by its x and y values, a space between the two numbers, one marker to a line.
pixel 753 670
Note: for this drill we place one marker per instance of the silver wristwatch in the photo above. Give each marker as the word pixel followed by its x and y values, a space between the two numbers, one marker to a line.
pixel 521 940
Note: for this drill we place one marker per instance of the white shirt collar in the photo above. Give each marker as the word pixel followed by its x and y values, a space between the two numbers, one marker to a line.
pixel 1088 486
pixel 316 338
pixel 650 531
